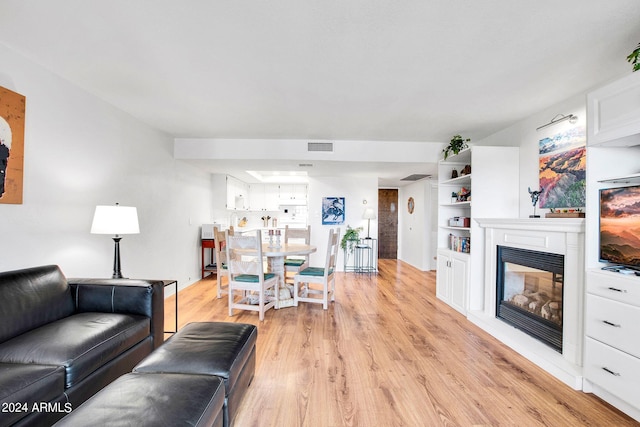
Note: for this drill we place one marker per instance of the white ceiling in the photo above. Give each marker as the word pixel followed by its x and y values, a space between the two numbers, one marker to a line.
pixel 408 70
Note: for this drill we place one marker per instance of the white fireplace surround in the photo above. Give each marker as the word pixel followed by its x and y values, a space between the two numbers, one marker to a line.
pixel 563 236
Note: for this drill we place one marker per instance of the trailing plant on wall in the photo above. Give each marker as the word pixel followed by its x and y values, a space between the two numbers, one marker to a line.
pixel 457 143
pixel 634 58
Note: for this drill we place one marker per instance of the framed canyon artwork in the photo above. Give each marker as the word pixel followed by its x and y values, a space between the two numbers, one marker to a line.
pixel 562 164
pixel 12 116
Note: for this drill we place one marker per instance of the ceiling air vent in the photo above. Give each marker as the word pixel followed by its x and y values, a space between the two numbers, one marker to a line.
pixel 320 146
pixel 415 177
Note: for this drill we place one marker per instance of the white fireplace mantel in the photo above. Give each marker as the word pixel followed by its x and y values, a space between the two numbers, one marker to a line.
pixel 563 236
pixel 563 225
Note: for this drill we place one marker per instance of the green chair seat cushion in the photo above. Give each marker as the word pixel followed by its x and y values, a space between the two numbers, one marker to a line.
pixel 253 278
pixel 314 271
pixel 294 262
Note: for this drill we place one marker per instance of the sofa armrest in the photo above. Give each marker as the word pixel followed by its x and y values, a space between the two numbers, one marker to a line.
pixel 127 296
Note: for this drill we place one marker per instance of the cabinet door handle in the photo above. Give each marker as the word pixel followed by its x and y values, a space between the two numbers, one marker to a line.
pixel 615 325
pixel 617 290
pixel 615 374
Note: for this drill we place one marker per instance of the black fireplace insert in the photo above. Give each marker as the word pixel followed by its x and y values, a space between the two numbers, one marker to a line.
pixel 530 293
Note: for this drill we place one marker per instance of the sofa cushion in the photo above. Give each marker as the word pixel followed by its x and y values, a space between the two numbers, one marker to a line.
pixel 32 297
pixel 23 385
pixel 81 343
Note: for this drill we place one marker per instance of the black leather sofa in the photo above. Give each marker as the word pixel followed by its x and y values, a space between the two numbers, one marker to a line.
pixel 63 340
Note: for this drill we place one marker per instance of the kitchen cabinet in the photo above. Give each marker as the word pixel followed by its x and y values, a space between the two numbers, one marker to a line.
pixel 292 194
pixel 264 197
pixel 237 194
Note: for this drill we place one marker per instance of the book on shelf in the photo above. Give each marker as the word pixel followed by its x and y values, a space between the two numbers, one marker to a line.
pixel 459 244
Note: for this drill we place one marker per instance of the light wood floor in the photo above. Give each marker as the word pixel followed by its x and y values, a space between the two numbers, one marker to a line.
pixel 388 353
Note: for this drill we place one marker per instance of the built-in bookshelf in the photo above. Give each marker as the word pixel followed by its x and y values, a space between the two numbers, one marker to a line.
pixel 485 185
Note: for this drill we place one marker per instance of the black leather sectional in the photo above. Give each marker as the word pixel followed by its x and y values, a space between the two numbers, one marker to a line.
pixel 63 340
pixel 198 377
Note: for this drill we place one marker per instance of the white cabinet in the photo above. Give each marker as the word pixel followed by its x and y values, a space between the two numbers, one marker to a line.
pixel 492 187
pixel 237 194
pixel 613 113
pixel 612 349
pixel 230 193
pixel 269 197
pixel 292 194
pixel 264 197
pixel 613 370
pixel 452 279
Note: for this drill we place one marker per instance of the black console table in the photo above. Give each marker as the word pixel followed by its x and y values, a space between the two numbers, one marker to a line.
pixel 365 257
pixel 169 283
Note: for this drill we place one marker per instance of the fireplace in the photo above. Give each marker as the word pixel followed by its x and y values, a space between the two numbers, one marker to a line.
pixel 529 293
pixel 560 243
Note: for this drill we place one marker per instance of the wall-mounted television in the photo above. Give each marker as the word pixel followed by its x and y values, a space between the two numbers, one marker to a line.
pixel 620 226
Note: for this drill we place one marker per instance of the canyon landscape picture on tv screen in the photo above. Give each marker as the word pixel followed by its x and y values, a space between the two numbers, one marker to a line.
pixel 620 226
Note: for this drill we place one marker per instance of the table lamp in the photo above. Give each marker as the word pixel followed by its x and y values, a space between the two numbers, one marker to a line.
pixel 115 220
pixel 369 214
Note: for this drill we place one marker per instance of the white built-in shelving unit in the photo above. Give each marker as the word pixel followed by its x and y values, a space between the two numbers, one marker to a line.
pixel 494 172
pixel 612 355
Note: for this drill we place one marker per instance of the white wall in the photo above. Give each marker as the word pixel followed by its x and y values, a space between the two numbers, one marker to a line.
pixel 417 244
pixel 81 152
pixel 524 135
pixel 602 163
pixel 355 192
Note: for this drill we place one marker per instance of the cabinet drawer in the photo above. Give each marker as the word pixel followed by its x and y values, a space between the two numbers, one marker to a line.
pixel 613 323
pixel 613 370
pixel 615 286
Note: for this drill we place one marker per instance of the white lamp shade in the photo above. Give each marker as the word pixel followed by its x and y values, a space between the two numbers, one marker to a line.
pixel 115 220
pixel 369 213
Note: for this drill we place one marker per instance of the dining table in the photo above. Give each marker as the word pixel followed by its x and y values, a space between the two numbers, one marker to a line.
pixel 275 255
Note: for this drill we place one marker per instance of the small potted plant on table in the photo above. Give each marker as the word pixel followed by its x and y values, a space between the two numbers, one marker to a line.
pixel 349 241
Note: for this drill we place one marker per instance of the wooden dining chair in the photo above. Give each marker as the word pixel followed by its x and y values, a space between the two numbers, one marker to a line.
pixel 306 281
pixel 294 264
pixel 221 260
pixel 246 275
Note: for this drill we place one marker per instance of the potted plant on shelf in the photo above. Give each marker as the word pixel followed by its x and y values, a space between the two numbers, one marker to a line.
pixel 634 58
pixel 455 146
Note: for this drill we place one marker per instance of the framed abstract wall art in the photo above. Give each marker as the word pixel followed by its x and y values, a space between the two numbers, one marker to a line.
pixel 333 210
pixel 12 114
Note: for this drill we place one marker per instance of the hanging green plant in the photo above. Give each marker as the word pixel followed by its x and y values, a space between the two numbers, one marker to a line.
pixel 634 58
pixel 455 146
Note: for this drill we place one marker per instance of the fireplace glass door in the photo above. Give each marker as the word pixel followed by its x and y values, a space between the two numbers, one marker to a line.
pixel 529 293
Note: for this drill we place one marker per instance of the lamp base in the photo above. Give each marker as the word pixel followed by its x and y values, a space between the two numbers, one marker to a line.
pixel 117 274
